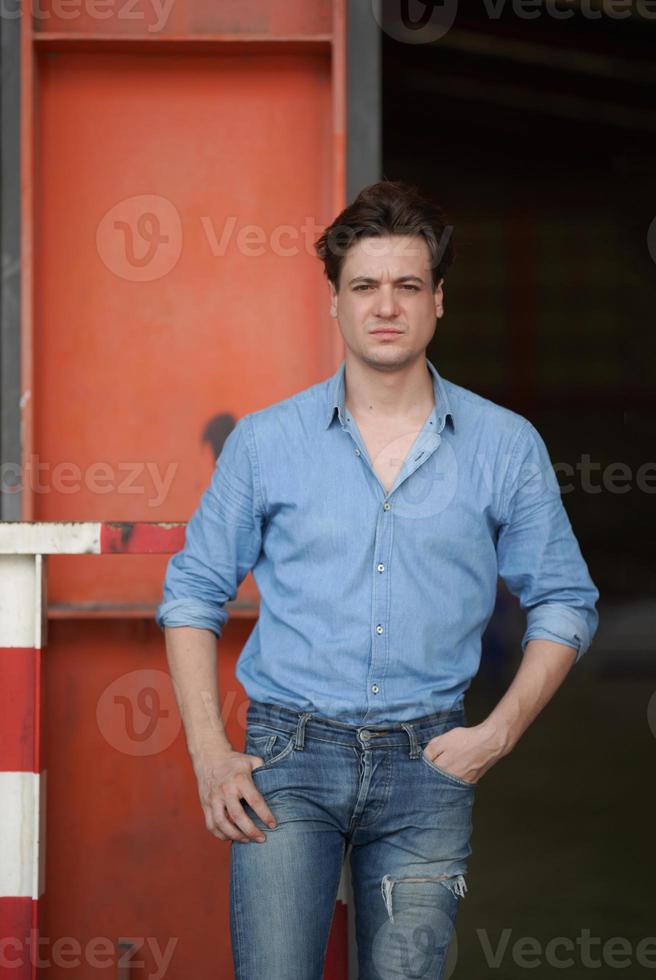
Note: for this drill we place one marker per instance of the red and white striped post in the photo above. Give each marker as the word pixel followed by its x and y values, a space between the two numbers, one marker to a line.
pixel 22 781
pixel 24 547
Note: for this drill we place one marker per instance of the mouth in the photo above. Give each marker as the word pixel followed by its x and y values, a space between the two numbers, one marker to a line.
pixel 386 333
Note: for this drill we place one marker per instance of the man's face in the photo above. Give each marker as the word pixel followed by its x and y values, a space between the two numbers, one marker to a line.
pixel 386 283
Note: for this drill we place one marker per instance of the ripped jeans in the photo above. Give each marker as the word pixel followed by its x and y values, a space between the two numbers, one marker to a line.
pixel 408 823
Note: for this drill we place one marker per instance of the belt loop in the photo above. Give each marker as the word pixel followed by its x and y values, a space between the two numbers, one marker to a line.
pixel 299 738
pixel 415 751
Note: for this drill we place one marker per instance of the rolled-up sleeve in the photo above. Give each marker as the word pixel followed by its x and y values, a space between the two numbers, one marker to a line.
pixel 222 542
pixel 539 558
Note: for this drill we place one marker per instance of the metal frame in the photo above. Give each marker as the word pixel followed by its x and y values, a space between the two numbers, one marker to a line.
pixel 10 309
pixel 364 154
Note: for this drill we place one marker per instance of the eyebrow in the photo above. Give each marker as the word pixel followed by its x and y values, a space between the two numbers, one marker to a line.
pixel 369 279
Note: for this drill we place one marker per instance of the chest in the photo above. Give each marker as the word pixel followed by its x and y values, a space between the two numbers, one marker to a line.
pixel 388 448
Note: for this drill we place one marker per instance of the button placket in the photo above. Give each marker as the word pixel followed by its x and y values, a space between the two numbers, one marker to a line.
pixel 380 606
pixel 426 444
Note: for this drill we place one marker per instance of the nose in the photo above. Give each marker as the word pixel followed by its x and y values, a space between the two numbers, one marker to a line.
pixel 386 305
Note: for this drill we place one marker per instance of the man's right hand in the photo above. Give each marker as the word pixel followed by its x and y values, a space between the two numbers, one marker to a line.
pixel 224 778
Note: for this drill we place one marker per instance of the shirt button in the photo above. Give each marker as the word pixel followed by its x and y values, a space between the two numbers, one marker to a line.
pixel 386 506
pixel 357 452
pixel 379 629
pixel 375 688
pixel 380 567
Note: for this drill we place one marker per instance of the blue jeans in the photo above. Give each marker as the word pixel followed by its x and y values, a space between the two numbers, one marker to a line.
pixel 329 784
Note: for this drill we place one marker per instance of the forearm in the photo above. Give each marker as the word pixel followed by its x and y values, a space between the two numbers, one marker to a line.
pixel 191 655
pixel 543 668
pixel 223 775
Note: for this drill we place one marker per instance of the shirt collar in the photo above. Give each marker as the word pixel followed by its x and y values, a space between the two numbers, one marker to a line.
pixel 336 395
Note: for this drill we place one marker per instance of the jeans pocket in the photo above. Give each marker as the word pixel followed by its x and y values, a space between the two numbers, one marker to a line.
pixel 270 744
pixel 446 775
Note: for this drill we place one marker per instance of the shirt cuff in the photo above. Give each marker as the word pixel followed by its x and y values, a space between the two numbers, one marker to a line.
pixel 562 624
pixel 191 612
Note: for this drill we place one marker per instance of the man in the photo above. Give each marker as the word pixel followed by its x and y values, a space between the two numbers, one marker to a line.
pixel 377 509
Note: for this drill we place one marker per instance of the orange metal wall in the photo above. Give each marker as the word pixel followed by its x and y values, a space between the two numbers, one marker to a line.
pixel 153 318
pixel 133 357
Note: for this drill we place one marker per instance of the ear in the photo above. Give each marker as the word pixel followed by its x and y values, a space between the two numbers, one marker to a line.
pixel 439 299
pixel 333 299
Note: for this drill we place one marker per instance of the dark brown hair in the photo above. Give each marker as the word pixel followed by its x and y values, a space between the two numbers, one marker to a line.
pixel 390 207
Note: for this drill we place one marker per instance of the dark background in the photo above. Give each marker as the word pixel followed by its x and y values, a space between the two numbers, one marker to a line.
pixel 538 139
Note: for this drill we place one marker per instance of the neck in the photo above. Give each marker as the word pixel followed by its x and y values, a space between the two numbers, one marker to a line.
pixel 382 393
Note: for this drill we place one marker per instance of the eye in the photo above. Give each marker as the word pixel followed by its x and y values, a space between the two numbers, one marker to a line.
pixel 413 289
pixel 363 286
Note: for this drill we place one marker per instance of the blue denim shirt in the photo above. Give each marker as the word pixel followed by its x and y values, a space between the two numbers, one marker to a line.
pixel 372 604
